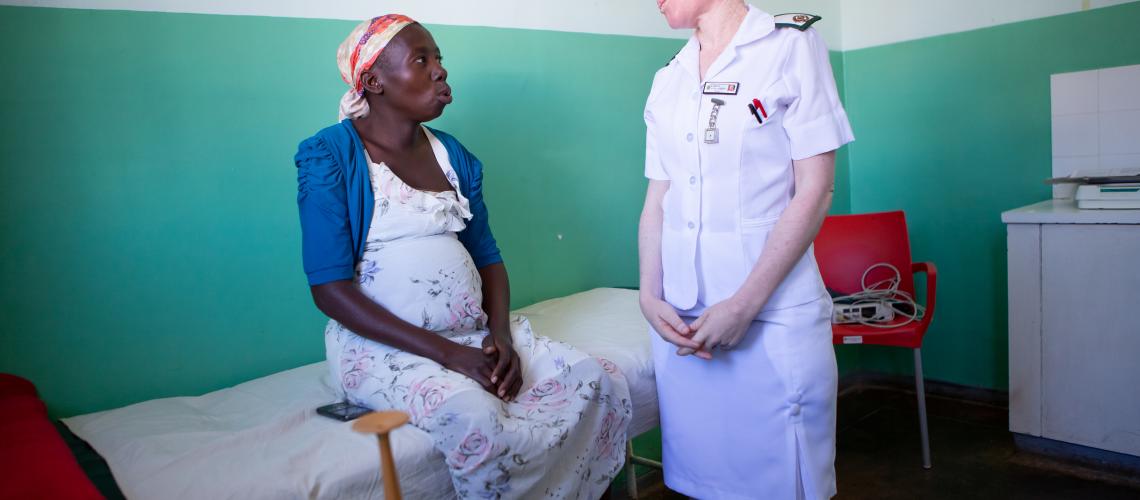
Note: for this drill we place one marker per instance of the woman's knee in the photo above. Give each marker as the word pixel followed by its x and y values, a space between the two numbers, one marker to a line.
pixel 437 396
pixel 598 372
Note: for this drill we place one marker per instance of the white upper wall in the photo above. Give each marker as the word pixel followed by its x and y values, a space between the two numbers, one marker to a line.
pixel 615 17
pixel 867 23
pixel 846 24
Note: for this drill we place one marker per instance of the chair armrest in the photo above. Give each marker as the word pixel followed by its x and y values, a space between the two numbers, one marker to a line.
pixel 931 286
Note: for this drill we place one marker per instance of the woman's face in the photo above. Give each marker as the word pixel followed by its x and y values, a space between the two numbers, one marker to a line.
pixel 682 14
pixel 410 76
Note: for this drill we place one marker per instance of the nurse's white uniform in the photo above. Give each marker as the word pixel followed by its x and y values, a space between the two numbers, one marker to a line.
pixel 757 421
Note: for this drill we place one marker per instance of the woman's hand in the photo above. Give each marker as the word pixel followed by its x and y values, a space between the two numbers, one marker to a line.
pixel 507 373
pixel 665 321
pixel 473 363
pixel 721 326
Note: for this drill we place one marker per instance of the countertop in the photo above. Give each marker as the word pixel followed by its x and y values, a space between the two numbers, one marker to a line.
pixel 1065 211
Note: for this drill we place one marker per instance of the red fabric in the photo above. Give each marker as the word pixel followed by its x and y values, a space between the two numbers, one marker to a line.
pixel 847 245
pixel 12 385
pixel 34 460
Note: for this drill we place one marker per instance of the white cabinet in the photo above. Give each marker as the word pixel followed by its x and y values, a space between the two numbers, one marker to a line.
pixel 1074 324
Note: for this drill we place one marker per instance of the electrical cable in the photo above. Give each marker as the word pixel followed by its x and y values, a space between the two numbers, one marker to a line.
pixel 885 292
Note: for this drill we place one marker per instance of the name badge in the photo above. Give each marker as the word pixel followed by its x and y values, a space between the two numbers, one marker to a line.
pixel 723 88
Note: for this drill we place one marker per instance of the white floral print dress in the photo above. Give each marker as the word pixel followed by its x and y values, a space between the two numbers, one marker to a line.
pixel 564 435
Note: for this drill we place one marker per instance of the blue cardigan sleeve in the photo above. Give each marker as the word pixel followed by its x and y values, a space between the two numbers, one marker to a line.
pixel 477 237
pixel 326 241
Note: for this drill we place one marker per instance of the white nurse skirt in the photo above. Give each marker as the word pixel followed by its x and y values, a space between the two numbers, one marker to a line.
pixel 757 421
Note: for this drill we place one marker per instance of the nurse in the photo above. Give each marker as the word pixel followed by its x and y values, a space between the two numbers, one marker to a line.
pixel 741 131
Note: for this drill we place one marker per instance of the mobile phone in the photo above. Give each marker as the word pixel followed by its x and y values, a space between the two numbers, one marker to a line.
pixel 343 411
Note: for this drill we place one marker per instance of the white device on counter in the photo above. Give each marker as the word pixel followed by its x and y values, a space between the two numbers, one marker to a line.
pixel 1111 196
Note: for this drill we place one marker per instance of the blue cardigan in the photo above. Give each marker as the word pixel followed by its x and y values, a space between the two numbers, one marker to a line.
pixel 334 196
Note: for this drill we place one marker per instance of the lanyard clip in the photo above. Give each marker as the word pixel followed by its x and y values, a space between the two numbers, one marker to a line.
pixel 712 134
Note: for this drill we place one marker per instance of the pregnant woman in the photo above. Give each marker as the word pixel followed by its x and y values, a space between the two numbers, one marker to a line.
pixel 399 254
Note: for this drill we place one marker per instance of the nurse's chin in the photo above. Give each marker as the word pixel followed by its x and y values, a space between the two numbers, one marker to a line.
pixel 677 23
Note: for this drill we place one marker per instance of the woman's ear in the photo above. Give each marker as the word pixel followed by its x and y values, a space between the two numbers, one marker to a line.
pixel 371 82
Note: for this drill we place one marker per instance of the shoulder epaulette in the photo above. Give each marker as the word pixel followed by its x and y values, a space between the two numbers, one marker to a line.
pixel 798 21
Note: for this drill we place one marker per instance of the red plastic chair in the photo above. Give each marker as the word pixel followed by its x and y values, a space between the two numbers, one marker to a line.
pixel 847 245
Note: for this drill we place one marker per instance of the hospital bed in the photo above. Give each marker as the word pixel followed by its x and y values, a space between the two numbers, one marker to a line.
pixel 263 439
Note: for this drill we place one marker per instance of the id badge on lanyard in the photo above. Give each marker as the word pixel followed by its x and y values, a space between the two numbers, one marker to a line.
pixel 712 134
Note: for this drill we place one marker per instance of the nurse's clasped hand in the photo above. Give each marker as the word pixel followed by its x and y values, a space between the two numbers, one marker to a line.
pixel 721 326
pixel 667 323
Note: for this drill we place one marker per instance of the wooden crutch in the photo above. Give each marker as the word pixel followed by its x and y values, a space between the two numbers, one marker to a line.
pixel 381 423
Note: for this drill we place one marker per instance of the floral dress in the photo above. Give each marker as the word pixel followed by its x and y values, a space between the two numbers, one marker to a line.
pixel 564 435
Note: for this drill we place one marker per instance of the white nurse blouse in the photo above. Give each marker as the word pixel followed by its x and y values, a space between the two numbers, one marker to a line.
pixel 730 182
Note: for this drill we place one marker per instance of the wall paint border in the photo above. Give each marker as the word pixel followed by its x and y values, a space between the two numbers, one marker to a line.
pixel 847 24
pixel 871 23
pixel 624 17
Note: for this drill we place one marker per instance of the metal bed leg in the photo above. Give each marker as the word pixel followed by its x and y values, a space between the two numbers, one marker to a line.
pixel 920 388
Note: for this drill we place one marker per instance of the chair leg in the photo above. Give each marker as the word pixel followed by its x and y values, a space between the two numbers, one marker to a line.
pixel 630 471
pixel 920 388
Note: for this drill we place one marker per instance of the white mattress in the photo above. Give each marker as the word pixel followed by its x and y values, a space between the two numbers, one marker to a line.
pixel 262 438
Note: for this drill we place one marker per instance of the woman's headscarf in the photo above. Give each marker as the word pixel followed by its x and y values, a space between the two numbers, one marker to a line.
pixel 357 53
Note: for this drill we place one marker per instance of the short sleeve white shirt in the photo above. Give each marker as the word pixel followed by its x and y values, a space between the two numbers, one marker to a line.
pixel 724 197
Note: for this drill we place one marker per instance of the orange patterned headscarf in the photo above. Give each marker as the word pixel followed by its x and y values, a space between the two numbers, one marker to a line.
pixel 358 52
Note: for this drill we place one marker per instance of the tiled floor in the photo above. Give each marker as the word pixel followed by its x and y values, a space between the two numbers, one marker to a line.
pixel 973 456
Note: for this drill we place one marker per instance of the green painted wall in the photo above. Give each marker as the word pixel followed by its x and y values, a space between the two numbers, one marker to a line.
pixel 149 223
pixel 954 130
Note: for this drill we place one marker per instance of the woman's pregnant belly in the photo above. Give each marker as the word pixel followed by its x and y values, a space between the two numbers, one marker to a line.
pixel 428 281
